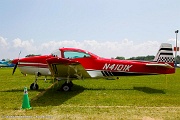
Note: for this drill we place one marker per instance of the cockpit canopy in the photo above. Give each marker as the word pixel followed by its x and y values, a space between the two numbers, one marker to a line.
pixel 72 53
pixel 75 54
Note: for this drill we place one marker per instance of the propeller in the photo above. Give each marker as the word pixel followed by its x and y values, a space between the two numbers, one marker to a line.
pixel 15 61
pixel 14 69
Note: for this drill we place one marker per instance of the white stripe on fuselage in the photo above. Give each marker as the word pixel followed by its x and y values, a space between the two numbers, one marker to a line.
pixel 30 63
pixel 32 70
pixel 95 73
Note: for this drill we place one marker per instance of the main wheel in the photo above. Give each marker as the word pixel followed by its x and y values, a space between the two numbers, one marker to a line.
pixel 66 87
pixel 34 86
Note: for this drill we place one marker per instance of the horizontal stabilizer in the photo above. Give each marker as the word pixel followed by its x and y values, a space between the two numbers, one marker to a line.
pixel 166 65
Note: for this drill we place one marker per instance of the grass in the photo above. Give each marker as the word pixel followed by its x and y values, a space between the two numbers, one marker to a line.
pixel 132 97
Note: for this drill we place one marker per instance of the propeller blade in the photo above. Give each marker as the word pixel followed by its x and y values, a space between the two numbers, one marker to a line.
pixel 15 61
pixel 15 68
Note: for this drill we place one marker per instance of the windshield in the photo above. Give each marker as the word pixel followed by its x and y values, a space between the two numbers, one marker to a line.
pixel 72 54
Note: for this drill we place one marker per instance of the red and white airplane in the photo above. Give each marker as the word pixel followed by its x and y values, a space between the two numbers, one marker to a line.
pixel 76 63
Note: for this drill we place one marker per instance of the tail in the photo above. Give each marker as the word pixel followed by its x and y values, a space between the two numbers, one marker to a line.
pixel 165 54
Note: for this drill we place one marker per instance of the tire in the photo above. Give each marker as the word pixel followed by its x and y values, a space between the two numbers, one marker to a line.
pixel 66 87
pixel 32 87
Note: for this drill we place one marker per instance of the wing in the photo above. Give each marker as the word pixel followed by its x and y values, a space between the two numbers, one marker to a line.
pixel 61 67
pixel 166 65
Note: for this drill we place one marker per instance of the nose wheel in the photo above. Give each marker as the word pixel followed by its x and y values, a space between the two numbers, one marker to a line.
pixel 34 86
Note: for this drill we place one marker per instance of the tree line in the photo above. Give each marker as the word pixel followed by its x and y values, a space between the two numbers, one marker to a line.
pixel 145 58
pixel 31 55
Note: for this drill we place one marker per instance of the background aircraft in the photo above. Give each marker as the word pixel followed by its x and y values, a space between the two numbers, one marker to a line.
pixel 76 63
pixel 4 63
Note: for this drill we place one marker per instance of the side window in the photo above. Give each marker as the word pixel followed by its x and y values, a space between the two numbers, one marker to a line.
pixel 72 55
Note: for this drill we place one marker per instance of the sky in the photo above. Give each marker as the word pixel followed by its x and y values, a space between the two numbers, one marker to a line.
pixel 108 28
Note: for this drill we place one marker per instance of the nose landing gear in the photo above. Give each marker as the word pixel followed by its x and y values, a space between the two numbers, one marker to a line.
pixel 34 85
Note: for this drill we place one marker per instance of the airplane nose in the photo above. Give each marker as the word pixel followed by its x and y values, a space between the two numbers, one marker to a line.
pixel 15 61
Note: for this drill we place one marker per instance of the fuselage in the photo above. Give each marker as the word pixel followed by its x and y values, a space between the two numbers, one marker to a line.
pixel 94 65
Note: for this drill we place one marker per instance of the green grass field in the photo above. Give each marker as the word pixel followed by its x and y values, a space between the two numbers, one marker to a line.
pixel 132 97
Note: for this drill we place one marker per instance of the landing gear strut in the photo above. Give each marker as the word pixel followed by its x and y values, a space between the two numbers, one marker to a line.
pixel 68 84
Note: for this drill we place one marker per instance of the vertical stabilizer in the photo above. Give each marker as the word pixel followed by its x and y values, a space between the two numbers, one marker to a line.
pixel 165 54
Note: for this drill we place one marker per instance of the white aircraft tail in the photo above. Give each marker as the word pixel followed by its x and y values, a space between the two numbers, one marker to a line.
pixel 165 54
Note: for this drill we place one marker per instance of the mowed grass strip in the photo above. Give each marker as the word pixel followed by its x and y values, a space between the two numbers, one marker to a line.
pixel 130 97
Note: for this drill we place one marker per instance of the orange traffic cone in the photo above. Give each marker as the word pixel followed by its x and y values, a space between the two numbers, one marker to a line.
pixel 26 104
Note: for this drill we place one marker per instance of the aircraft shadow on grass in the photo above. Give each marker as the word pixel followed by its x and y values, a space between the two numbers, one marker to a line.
pixel 20 90
pixel 54 97
pixel 149 90
pixel 80 88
